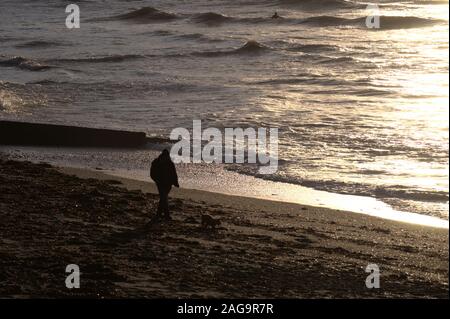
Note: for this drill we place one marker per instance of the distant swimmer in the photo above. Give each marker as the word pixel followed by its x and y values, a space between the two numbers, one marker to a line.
pixel 275 15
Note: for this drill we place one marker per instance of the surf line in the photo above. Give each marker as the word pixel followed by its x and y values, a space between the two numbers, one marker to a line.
pixel 260 145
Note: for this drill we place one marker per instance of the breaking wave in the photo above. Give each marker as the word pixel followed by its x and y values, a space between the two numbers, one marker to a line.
pixel 249 48
pixel 252 47
pixel 23 63
pixel 143 15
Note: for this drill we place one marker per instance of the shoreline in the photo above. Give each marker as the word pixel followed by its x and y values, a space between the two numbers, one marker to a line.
pixel 69 146
pixel 263 249
pixel 215 179
pixel 217 198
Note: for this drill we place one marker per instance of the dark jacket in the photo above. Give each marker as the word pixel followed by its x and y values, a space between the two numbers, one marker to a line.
pixel 163 170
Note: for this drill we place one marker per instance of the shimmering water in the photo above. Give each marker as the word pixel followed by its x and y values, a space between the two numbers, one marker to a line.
pixel 361 112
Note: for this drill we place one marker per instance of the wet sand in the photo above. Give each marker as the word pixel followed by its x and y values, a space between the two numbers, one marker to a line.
pixel 263 249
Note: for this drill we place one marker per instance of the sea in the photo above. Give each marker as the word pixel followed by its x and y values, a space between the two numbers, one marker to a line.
pixel 360 111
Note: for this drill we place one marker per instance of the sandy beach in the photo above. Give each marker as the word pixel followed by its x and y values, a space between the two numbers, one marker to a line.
pixel 194 152
pixel 52 217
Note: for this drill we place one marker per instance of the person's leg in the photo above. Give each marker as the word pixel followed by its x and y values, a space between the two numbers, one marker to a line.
pixel 166 201
pixel 161 192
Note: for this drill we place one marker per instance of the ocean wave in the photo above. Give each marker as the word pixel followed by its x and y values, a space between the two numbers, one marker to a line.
pixel 308 79
pixel 352 92
pixel 120 88
pixel 339 60
pixel 217 19
pixel 6 38
pixel 321 4
pixel 252 47
pixel 197 36
pixel 142 15
pixel 406 22
pixel 324 59
pixel 325 21
pixel 283 81
pixel 47 82
pixel 183 36
pixel 211 18
pixel 38 44
pixel 150 14
pixel 312 48
pixel 249 48
pixel 24 64
pixel 386 22
pixel 101 59
pixel 160 33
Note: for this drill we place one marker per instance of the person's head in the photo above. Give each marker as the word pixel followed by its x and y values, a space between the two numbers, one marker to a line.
pixel 165 153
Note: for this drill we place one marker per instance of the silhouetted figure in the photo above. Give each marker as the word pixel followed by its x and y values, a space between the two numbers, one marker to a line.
pixel 275 15
pixel 164 174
